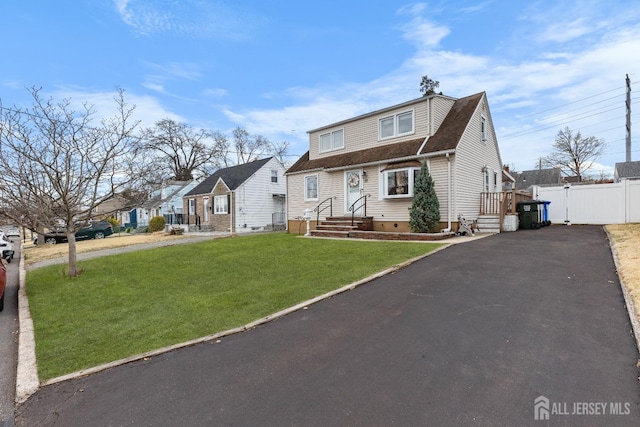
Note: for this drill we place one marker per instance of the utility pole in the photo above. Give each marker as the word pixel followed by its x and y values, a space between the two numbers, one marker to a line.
pixel 628 144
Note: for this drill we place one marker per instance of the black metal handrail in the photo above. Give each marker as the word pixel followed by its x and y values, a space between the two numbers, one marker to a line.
pixel 330 207
pixel 353 208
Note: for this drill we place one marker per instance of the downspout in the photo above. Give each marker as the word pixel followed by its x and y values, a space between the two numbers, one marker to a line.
pixel 232 212
pixel 448 194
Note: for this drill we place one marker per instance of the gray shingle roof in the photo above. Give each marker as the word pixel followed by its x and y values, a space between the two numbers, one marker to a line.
pixel 233 177
pixel 526 179
pixel 627 169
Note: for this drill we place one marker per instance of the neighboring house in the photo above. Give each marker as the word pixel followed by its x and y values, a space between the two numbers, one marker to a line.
pixel 626 170
pixel 117 206
pixel 508 180
pixel 377 156
pixel 165 201
pixel 242 198
pixel 110 207
pixel 526 179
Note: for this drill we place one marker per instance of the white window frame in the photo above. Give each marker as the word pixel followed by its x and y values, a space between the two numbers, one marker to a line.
pixel 306 194
pixel 332 141
pixel 396 125
pixel 274 174
pixel 217 205
pixel 192 206
pixel 411 176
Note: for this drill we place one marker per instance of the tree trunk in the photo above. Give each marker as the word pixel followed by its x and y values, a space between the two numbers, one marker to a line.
pixel 73 262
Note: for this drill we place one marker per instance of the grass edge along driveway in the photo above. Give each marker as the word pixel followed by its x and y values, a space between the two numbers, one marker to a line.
pixel 131 303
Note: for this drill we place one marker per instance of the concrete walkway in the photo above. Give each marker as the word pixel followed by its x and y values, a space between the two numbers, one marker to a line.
pixel 471 335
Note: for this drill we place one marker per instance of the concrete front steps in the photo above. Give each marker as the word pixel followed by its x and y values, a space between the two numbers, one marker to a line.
pixel 362 228
pixel 488 224
pixel 340 226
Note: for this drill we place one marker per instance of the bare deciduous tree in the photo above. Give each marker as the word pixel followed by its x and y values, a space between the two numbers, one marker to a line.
pixel 177 150
pixel 573 153
pixel 249 147
pixel 57 166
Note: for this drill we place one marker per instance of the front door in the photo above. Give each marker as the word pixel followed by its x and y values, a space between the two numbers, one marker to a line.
pixel 205 208
pixel 353 184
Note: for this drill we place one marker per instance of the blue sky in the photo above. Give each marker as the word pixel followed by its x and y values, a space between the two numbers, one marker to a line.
pixel 281 68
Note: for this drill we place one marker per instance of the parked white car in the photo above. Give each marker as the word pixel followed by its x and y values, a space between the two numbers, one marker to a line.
pixel 7 248
pixel 12 231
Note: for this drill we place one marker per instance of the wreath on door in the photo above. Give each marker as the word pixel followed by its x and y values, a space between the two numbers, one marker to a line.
pixel 353 180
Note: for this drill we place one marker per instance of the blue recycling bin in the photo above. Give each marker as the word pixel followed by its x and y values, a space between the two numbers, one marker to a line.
pixel 545 213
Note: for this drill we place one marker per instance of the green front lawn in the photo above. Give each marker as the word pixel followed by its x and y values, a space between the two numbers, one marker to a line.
pixel 131 303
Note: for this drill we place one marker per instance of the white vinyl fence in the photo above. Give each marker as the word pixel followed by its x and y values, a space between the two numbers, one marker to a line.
pixel 617 203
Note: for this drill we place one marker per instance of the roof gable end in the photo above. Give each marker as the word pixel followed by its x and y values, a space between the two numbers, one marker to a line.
pixel 233 177
pixel 454 125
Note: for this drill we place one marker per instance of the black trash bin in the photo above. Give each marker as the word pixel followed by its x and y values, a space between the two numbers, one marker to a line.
pixel 529 214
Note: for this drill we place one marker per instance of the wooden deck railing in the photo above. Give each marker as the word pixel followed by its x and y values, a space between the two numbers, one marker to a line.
pixel 502 203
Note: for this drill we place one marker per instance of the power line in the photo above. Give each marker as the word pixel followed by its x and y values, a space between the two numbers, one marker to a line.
pixel 565 121
pixel 572 102
pixel 589 105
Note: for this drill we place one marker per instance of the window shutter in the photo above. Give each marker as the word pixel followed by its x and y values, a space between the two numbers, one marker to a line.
pixel 228 203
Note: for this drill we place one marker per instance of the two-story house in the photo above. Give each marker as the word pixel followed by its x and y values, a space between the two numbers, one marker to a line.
pixel 242 198
pixel 377 156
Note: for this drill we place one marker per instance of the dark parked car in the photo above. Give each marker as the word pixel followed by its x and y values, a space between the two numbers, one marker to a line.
pixel 95 230
pixel 3 283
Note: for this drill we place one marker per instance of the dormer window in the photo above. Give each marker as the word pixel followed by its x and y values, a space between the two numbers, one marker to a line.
pixel 332 141
pixel 396 125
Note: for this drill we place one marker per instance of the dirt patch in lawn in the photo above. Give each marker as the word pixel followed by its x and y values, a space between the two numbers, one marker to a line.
pixel 34 253
pixel 627 241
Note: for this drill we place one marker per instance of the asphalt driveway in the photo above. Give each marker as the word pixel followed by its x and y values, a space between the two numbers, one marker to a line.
pixel 471 335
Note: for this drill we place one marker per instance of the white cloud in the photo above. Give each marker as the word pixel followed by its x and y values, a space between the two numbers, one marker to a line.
pixel 569 64
pixel 215 93
pixel 424 33
pixel 200 19
pixel 476 7
pixel 148 109
pixel 177 70
pixel 156 87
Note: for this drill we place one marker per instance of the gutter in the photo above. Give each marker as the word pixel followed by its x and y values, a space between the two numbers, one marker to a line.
pixel 379 162
pixel 448 194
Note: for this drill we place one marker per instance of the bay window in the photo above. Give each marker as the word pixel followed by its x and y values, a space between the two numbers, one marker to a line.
pixel 399 182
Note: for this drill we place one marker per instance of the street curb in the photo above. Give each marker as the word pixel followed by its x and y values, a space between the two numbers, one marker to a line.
pixel 27 370
pixel 251 325
pixel 628 300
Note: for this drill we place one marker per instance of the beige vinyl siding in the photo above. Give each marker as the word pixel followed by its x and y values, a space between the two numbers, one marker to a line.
pixel 438 172
pixel 471 155
pixel 329 185
pixel 295 195
pixel 440 107
pixel 363 133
